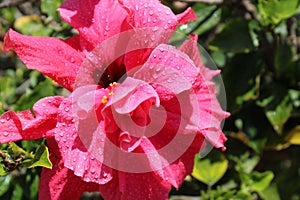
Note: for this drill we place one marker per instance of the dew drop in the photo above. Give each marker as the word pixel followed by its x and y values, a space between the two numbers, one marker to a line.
pixel 43 104
pixel 152 37
pixel 168 12
pixel 155 76
pixel 72 59
pixel 104 174
pixel 151 12
pixel 5 134
pixel 67 109
pixel 61 134
pixel 107 28
pixel 158 69
pixel 2 121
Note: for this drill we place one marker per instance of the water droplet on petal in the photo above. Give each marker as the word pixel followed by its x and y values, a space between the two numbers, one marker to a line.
pixel 104 174
pixel 151 12
pixel 5 134
pixel 168 12
pixel 72 60
pixel 2 120
pixel 67 109
pixel 158 68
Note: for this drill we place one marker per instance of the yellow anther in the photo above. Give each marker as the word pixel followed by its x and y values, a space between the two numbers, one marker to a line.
pixel 110 93
pixel 104 99
pixel 112 84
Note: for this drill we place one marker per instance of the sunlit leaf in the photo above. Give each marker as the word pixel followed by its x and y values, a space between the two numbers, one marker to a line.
pixel 280 114
pixel 209 171
pixel 41 158
pixel 273 11
pixel 270 193
pixel 293 136
pixel 261 181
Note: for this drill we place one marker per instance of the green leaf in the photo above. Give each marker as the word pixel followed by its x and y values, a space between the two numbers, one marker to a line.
pixel 234 37
pixel 2 171
pixel 31 25
pixel 283 57
pixel 43 89
pixel 41 158
pixel 5 183
pixel 17 192
pixel 209 171
pixel 273 11
pixel 270 193
pixel 207 17
pixel 242 81
pixel 280 114
pixel 260 181
pixel 49 7
pixel 293 136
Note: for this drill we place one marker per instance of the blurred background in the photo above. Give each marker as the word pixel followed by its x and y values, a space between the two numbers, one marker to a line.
pixel 256 44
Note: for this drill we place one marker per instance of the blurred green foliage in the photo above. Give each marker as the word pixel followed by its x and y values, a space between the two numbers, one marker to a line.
pixel 256 44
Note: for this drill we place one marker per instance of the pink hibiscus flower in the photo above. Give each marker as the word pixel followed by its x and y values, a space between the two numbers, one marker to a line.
pixel 139 110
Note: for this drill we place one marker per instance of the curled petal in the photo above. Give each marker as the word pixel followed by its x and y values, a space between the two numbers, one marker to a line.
pixel 186 16
pixel 26 126
pixel 190 47
pixel 211 115
pixel 169 68
pixel 51 56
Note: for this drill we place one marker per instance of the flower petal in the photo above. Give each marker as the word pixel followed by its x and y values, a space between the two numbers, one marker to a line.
pixel 211 115
pixel 60 182
pixel 96 20
pixel 25 126
pixel 130 94
pixel 73 144
pixel 51 56
pixel 128 186
pixel 169 68
pixel 151 13
pixel 190 47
